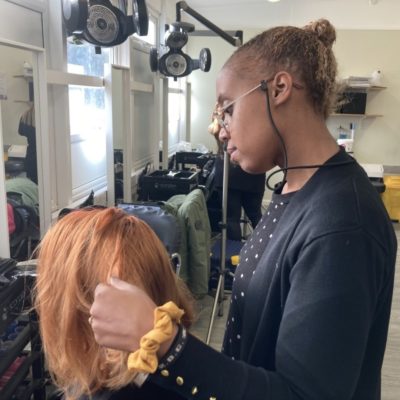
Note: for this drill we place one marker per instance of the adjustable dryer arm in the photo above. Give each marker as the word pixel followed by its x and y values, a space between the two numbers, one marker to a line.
pixel 234 41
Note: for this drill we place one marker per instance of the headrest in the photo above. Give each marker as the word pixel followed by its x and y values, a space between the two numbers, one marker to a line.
pixel 163 223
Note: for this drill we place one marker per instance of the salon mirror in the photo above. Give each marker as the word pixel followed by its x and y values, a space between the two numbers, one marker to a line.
pixel 18 137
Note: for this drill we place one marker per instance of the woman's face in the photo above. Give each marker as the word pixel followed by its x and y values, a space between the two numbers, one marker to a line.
pixel 251 142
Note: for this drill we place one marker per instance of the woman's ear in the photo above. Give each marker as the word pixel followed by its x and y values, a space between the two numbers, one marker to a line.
pixel 281 87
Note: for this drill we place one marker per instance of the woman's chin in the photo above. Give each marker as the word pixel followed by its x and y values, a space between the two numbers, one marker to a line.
pixel 249 167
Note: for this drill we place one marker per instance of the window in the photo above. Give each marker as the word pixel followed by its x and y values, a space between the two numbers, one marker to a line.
pixel 82 59
pixel 86 104
pixel 176 107
pixel 151 35
pixel 87 117
pixel 87 110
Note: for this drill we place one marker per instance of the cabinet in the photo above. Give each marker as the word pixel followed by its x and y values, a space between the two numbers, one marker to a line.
pixel 360 89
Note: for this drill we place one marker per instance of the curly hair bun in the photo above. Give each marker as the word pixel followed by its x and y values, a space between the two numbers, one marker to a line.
pixel 324 30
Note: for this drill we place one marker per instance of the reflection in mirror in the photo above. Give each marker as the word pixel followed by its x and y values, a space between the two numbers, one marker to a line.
pixel 19 150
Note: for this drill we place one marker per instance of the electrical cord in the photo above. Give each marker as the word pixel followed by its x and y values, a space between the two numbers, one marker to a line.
pixel 278 187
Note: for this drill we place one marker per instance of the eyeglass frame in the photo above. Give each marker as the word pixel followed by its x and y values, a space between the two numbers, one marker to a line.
pixel 262 85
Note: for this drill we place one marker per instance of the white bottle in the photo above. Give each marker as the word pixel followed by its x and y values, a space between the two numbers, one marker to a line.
pixel 376 78
pixel 28 70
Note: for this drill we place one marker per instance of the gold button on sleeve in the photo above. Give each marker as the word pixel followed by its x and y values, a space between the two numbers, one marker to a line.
pixel 213 398
pixel 194 390
pixel 165 373
pixel 179 381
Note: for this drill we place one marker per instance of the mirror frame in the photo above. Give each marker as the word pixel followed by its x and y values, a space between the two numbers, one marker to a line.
pixel 123 93
pixel 43 146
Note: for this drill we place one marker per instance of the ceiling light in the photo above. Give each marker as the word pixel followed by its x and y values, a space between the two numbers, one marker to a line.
pixel 273 1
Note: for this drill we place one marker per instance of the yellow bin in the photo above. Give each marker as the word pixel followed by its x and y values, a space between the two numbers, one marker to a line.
pixel 391 196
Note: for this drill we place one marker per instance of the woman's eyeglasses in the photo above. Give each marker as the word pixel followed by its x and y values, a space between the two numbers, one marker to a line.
pixel 220 111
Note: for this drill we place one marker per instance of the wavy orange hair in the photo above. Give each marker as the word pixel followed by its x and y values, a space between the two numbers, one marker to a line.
pixel 81 250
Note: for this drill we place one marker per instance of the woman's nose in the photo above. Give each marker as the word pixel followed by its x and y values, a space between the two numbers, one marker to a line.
pixel 223 134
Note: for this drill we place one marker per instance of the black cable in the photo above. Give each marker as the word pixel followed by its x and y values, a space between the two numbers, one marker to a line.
pixel 284 170
pixel 278 187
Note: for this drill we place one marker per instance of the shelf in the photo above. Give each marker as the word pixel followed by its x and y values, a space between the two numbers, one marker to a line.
pixel 377 88
pixel 27 77
pixel 356 115
pixel 364 88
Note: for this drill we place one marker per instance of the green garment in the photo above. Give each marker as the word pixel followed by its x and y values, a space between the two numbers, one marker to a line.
pixel 27 189
pixel 193 217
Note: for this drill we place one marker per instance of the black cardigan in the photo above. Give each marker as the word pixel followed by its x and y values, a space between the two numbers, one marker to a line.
pixel 316 318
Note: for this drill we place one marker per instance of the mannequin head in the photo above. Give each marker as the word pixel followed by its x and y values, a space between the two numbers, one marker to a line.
pixel 84 248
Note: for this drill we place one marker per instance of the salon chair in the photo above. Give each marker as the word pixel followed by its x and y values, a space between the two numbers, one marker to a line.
pixel 163 223
pixel 27 232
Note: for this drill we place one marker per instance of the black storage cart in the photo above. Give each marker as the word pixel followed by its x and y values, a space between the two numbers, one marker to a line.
pixel 163 184
pixel 22 373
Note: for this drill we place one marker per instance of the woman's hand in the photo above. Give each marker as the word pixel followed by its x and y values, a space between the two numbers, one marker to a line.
pixel 120 315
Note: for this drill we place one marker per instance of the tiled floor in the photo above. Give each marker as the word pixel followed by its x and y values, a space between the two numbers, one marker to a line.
pixel 391 366
pixel 201 327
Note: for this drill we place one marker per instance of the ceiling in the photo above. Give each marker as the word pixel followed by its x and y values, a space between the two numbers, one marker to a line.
pixel 261 14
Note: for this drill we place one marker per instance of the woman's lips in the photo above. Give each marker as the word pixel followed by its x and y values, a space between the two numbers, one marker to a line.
pixel 231 150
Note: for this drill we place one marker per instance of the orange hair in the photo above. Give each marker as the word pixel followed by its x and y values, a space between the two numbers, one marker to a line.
pixel 81 250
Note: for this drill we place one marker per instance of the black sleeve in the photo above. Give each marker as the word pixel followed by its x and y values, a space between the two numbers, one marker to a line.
pixel 322 337
pixel 203 373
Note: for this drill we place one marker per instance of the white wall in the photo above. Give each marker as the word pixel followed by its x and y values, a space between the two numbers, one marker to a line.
pixel 21 24
pixel 203 86
pixel 261 14
pixel 359 52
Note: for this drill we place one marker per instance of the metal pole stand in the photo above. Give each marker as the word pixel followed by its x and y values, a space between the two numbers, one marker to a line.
pixel 219 295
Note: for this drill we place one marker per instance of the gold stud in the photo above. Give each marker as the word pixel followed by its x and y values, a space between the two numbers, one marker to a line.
pixel 213 398
pixel 179 380
pixel 165 373
pixel 194 390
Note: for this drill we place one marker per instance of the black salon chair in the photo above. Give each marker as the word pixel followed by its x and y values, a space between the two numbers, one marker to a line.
pixel 164 224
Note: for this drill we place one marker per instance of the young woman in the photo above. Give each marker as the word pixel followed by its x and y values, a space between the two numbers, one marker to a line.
pixel 312 294
pixel 84 248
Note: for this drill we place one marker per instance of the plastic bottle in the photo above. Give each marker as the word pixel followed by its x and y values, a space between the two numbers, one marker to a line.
pixel 376 77
pixel 28 70
pixel 352 130
pixel 342 133
pixel 344 140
